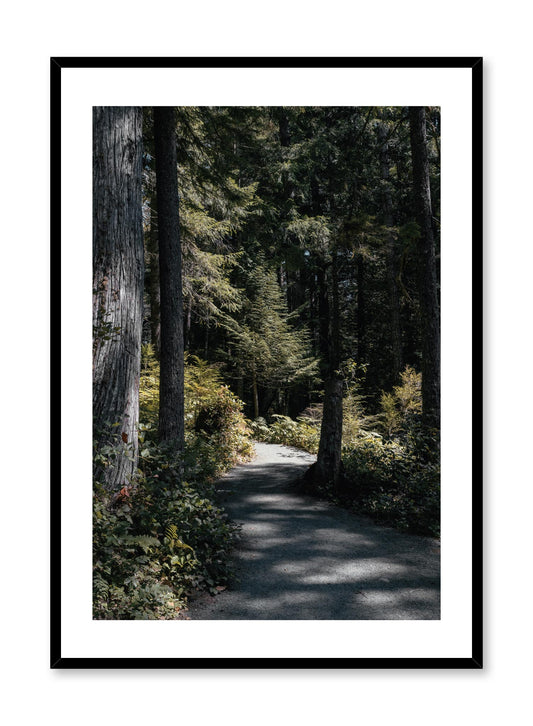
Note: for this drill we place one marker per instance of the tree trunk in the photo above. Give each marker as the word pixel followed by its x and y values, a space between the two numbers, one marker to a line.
pixel 154 284
pixel 361 310
pixel 392 258
pixel 188 325
pixel 206 339
pixel 323 319
pixel 171 406
pixel 118 279
pixel 255 394
pixel 328 464
pixel 427 275
pixel 267 399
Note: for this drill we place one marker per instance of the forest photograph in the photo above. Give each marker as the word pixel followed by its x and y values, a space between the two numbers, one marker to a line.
pixel 266 362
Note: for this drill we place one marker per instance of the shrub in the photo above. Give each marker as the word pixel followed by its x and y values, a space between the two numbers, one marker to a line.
pixel 157 541
pixel 401 409
pixel 220 424
pixel 162 536
pixel 395 484
pixel 213 414
pixel 301 433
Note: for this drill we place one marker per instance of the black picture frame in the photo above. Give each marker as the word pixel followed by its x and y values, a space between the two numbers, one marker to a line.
pixel 475 660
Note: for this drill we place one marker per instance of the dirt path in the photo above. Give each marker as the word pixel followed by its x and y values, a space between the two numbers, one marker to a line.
pixel 305 559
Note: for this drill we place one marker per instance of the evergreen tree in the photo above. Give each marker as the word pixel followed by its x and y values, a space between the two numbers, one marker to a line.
pixel 118 269
pixel 427 274
pixel 270 350
pixel 171 404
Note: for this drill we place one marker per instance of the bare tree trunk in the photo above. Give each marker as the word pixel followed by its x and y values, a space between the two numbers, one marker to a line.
pixel 154 289
pixel 118 280
pixel 392 258
pixel 171 406
pixel 255 394
pixel 427 275
pixel 328 464
pixel 188 325
pixel 323 319
pixel 361 310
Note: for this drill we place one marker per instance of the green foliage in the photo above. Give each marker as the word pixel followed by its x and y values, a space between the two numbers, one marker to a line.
pixel 213 208
pixel 222 429
pixel 302 433
pixel 395 483
pixel 159 540
pixel 313 233
pixel 268 346
pixel 214 420
pixel 400 409
pixel 395 479
pixel 356 423
pixel 104 331
pixel 149 387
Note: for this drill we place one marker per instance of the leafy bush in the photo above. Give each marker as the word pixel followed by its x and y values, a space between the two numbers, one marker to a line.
pixel 157 541
pixel 213 414
pixel 395 479
pixel 395 483
pixel 220 424
pixel 302 433
pixel 162 537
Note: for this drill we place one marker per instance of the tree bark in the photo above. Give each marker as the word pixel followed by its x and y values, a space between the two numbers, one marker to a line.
pixel 255 394
pixel 188 321
pixel 427 275
pixel 171 391
pixel 118 280
pixel 361 310
pixel 328 463
pixel 392 258
pixel 154 284
pixel 323 319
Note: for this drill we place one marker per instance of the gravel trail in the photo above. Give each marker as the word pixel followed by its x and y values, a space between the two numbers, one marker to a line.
pixel 301 558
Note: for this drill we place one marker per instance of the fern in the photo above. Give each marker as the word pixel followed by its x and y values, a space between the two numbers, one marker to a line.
pixel 144 541
pixel 171 535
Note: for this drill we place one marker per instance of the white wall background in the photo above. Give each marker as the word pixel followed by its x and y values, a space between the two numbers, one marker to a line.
pixel 35 31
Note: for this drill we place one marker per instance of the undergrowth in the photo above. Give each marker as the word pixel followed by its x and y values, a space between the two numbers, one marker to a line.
pixel 391 465
pixel 162 537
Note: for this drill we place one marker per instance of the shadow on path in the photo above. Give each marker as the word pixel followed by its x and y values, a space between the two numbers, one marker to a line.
pixel 301 558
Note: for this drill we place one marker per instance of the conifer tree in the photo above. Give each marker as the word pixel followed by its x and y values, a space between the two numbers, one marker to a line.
pixel 118 270
pixel 272 352
pixel 171 402
pixel 427 275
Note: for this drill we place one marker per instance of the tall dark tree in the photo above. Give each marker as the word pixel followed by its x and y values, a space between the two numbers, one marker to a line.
pixel 152 248
pixel 171 405
pixel 427 274
pixel 118 274
pixel 392 255
pixel 328 463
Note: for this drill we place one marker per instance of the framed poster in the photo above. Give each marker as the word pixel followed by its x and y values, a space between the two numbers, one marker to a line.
pixel 401 617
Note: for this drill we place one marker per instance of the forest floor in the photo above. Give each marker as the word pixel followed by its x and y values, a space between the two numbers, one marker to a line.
pixel 303 558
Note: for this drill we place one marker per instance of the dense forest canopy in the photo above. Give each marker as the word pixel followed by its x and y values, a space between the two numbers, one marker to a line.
pixel 277 204
pixel 271 272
